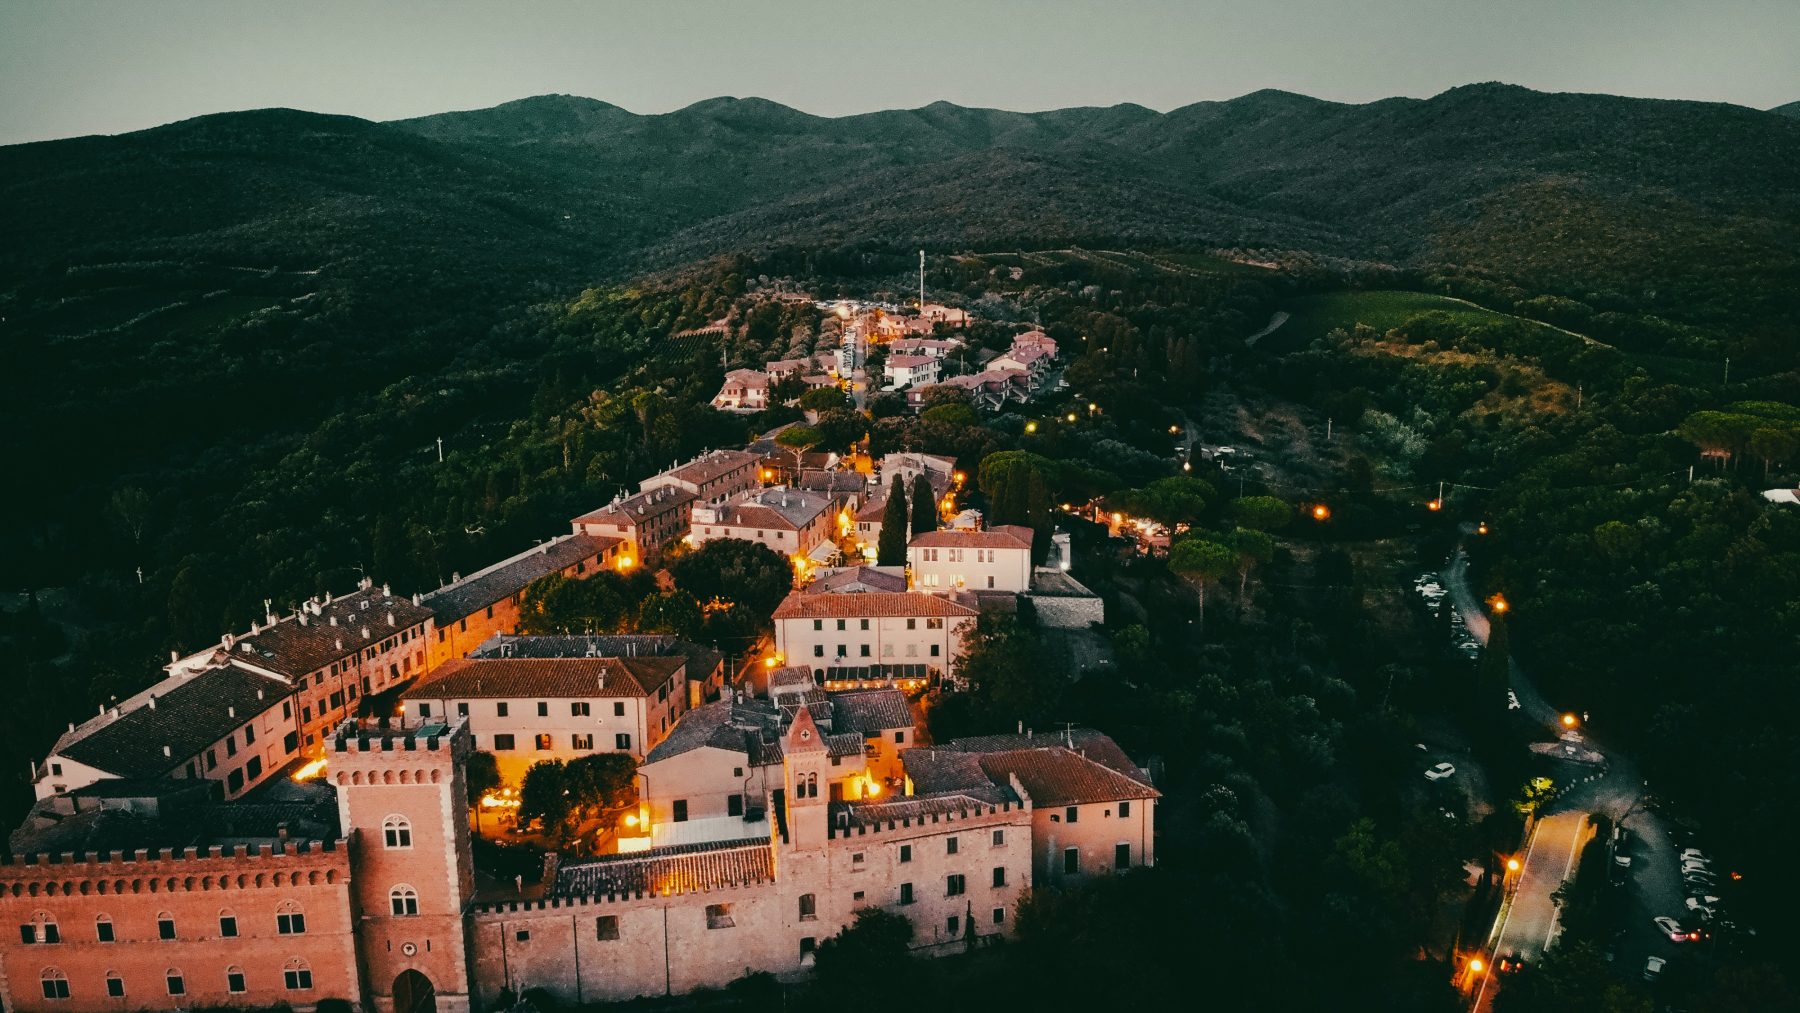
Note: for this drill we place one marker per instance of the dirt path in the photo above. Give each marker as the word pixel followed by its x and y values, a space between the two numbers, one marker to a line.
pixel 1275 322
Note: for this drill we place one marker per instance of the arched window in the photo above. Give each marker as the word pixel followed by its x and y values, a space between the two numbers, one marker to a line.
pixel 55 983
pixel 115 985
pixel 289 919
pixel 296 975
pixel 396 831
pixel 809 907
pixel 228 927
pixel 234 980
pixel 177 984
pixel 40 929
pixel 103 928
pixel 165 926
pixel 405 901
pixel 812 786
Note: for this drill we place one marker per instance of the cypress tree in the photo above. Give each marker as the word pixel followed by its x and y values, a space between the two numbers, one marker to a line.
pixel 890 549
pixel 924 505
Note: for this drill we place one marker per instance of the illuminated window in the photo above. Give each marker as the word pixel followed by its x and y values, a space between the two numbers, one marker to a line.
pixel 55 983
pixel 404 901
pixel 396 831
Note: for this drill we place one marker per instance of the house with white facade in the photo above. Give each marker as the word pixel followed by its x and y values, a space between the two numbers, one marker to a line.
pixel 995 559
pixel 909 370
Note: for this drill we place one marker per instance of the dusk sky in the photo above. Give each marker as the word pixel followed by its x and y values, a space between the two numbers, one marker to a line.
pixel 106 67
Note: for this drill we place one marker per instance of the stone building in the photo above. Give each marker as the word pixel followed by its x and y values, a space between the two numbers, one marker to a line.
pixel 470 610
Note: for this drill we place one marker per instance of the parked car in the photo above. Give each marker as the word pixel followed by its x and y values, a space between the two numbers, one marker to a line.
pixel 1440 771
pixel 1674 930
pixel 1622 861
pixel 1653 968
pixel 1694 902
pixel 1693 853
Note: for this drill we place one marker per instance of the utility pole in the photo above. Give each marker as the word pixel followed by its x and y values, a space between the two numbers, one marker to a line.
pixel 1727 371
pixel 140 573
pixel 921 281
pixel 440 443
pixel 1578 397
pixel 1327 430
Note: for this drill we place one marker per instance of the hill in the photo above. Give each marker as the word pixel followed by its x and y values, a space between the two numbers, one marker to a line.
pixel 1790 109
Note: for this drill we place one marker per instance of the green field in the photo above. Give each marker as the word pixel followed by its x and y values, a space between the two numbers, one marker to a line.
pixel 1315 316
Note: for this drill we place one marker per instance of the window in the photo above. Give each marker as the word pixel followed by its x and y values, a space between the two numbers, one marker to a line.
pixel 949 845
pixel 718 916
pixel 899 738
pixel 840 625
pixel 999 875
pixel 212 759
pixel 115 985
pixel 103 929
pixel 543 741
pixel 290 920
pixel 1121 856
pixel 999 915
pixel 41 929
pixel 579 709
pixel 734 805
pixel 165 926
pixel 934 650
pixel 1071 861
pixel 500 709
pixel 296 975
pixel 543 708
pixel 999 838
pixel 952 925
pixel 818 650
pixel 954 885
pixel 462 710
pixel 1124 810
pixel 396 831
pixel 622 741
pixel 912 624
pixel 681 810
pixel 581 741
pixel 865 650
pixel 856 860
pixel 618 709
pixel 404 901
pixel 809 907
pixel 807 945
pixel 906 852
pixel 503 741
pixel 606 927
pixel 231 745
pixel 177 984
pixel 254 767
pixel 818 625
pixel 227 925
pixel 55 983
pixel 234 980
pixel 523 935
pixel 1070 814
pixel 864 622
pixel 249 735
pixel 906 893
pixel 934 624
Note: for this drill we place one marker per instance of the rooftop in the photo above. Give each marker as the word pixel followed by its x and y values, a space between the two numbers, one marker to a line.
pixel 556 678
pixel 184 714
pixel 709 466
pixel 858 580
pixel 511 576
pixel 1003 536
pixel 637 505
pixel 873 604
pixel 682 868
pixel 792 509
pixel 701 659
pixel 320 632
pixel 870 711
pixel 1094 745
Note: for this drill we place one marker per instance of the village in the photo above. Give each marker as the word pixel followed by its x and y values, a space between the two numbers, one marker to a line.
pixel 337 790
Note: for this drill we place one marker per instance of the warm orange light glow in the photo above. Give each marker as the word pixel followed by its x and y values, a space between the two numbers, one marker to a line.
pixel 1174 429
pixel 631 819
pixel 1476 965
pixel 310 769
pixel 1481 529
pixel 1435 505
pixel 768 662
pixel 1570 720
pixel 959 477
pixel 626 563
pixel 1071 416
pixel 1031 427
pixel 1499 603
pixel 1118 518
pixel 1093 407
pixel 1512 865
pixel 1321 512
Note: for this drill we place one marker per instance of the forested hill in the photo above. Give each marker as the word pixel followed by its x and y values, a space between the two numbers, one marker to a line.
pixel 1790 109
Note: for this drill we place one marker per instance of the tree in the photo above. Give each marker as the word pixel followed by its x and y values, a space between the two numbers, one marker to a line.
pixel 675 612
pixel 890 549
pixel 480 775
pixel 555 604
pixel 823 399
pixel 1011 675
pixel 1494 674
pixel 1180 499
pixel 840 428
pixel 1200 561
pixel 544 795
pixel 1253 549
pixel 798 439
pixel 734 571
pixel 924 505
pixel 1262 513
pixel 130 510
pixel 1006 479
pixel 872 948
pixel 601 781
pixel 956 414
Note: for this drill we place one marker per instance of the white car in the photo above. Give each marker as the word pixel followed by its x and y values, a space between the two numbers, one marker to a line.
pixel 1653 968
pixel 1670 928
pixel 1700 902
pixel 1440 771
pixel 1687 853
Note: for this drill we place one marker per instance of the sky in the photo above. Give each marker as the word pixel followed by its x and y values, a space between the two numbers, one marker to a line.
pixel 72 67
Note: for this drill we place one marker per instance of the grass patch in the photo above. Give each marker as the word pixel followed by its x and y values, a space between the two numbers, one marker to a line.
pixel 1314 316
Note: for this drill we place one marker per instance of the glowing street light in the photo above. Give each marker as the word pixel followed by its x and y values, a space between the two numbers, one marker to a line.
pixel 1031 427
pixel 1435 505
pixel 1570 721
pixel 1481 529
pixel 1477 965
pixel 1499 603
pixel 1321 512
pixel 1512 865
pixel 1092 407
pixel 1071 416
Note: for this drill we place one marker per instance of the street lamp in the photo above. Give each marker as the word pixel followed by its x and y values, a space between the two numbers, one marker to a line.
pixel 1512 865
pixel 1435 505
pixel 1570 721
pixel 1031 427
pixel 1321 512
pixel 1477 965
pixel 1499 603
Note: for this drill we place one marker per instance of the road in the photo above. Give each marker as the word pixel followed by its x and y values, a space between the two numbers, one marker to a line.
pixel 1615 790
pixel 1529 921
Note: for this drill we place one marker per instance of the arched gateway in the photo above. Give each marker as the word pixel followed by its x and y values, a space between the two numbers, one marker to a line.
pixel 413 993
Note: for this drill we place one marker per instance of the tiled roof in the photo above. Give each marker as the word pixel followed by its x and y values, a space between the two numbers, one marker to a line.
pixel 192 712
pixel 870 711
pixel 1095 745
pixel 859 579
pixel 511 576
pixel 872 604
pixel 746 378
pixel 918 807
pixel 909 361
pixel 710 466
pixel 701 659
pixel 934 771
pixel 558 678
pixel 792 509
pixel 639 505
pixel 682 868
pixel 1055 776
pixel 874 508
pixel 1005 536
pixel 298 645
pixel 790 676
pixel 833 481
pixel 710 724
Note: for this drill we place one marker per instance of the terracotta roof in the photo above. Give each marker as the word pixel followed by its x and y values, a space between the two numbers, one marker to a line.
pixel 790 676
pixel 1055 776
pixel 717 725
pixel 639 505
pixel 909 361
pixel 874 508
pixel 933 771
pixel 871 604
pixel 859 579
pixel 559 678
pixel 870 711
pixel 747 378
pixel 191 713
pixel 295 649
pixel 701 659
pixel 1004 536
pixel 709 466
pixel 1095 745
pixel 916 807
pixel 682 868
pixel 511 576
pixel 790 509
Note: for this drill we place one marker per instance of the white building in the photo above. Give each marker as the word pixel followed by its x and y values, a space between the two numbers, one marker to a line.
pixel 873 637
pixel 997 559
pixel 745 390
pixel 793 522
pixel 910 370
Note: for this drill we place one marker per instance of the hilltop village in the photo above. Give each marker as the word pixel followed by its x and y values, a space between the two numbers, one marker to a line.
pixel 301 811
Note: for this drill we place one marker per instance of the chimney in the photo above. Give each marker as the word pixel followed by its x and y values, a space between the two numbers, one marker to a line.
pixel 418 599
pixel 302 617
pixel 246 646
pixel 174 656
pixel 71 726
pixel 386 592
pixel 153 701
pixel 254 628
pixel 334 620
pixel 230 711
pixel 391 619
pixel 365 633
pixel 259 694
pixel 115 712
pixel 455 576
pixel 281 831
pixel 340 640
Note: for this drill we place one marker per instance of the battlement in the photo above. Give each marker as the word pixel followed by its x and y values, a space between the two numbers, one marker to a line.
pixel 931 812
pixel 353 736
pixel 173 870
pixel 597 901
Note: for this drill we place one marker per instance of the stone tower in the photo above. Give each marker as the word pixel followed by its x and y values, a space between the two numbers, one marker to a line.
pixel 805 762
pixel 404 808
